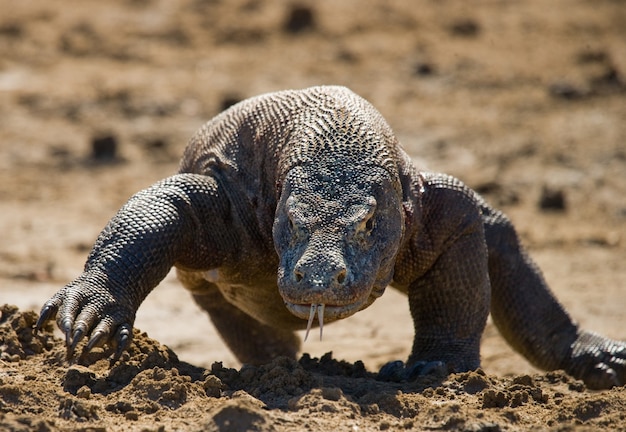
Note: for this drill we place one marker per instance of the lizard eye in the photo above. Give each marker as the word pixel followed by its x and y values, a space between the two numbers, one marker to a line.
pixel 367 219
pixel 291 209
pixel 294 220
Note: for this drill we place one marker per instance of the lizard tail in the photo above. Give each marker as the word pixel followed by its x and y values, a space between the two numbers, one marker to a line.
pixel 523 308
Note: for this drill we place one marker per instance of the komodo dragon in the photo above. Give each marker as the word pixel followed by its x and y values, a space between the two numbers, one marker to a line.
pixel 300 205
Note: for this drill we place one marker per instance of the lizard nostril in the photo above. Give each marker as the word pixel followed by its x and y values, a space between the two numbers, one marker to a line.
pixel 341 276
pixel 299 275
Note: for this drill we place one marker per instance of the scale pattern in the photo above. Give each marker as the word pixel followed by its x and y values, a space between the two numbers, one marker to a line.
pixel 301 205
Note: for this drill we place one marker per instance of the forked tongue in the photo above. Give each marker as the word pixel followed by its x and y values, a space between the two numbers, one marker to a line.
pixel 320 318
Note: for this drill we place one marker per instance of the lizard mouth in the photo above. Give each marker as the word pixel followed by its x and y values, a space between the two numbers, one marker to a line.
pixel 323 312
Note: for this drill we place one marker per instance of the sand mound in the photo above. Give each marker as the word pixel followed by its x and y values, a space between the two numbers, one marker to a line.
pixel 150 389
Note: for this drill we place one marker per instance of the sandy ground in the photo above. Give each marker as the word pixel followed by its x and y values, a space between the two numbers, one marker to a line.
pixel 524 101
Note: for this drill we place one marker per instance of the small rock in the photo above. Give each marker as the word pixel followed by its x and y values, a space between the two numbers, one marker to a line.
pixel 592 56
pixel 331 393
pixel 566 90
pixel 423 69
pixel 131 415
pixel 76 377
pixel 610 79
pixel 495 399
pixel 552 199
pixel 475 383
pixel 104 148
pixel 525 380
pixel 213 386
pixel 84 392
pixel 519 398
pixel 11 29
pixel 120 407
pixel 465 27
pixel 299 19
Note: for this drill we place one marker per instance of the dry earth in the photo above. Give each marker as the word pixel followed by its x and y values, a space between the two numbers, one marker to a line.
pixel 524 101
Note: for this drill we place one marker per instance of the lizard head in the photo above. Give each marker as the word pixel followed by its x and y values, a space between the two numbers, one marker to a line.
pixel 337 231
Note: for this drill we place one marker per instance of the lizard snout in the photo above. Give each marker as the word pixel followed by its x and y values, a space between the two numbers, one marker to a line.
pixel 320 273
pixel 320 277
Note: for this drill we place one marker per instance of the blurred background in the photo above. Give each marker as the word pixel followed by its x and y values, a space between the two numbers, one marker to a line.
pixel 525 101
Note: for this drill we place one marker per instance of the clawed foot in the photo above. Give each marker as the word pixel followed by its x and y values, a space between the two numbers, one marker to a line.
pixel 598 361
pixel 397 371
pixel 83 310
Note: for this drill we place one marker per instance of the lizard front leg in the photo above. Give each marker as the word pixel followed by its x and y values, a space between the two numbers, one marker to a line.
pixel 449 303
pixel 449 306
pixel 181 220
pixel 446 276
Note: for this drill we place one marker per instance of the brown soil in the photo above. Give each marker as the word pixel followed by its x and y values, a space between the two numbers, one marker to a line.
pixel 524 101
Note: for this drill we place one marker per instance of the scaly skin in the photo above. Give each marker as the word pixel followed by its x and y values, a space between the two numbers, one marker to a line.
pixel 299 206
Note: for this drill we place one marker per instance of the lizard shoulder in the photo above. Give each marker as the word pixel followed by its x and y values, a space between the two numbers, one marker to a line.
pixel 448 210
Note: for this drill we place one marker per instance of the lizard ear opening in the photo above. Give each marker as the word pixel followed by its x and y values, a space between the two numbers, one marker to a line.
pixel 409 214
pixel 279 188
pixel 369 225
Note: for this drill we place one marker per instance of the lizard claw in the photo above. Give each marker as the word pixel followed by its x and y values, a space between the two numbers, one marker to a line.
pixel 600 362
pixel 86 308
pixel 66 327
pixel 97 339
pixel 602 376
pixel 398 371
pixel 48 312
pixel 79 334
pixel 122 340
